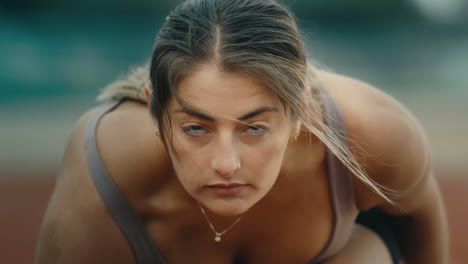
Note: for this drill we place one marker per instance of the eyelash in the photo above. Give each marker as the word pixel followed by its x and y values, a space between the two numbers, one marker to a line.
pixel 262 129
pixel 187 130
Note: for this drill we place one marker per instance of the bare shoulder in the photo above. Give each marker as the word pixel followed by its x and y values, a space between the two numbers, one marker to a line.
pixel 132 152
pixel 77 227
pixel 383 134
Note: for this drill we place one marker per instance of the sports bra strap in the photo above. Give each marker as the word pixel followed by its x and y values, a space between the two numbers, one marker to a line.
pixel 340 181
pixel 118 206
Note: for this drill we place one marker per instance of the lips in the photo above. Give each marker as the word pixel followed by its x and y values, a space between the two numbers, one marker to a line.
pixel 223 185
pixel 230 189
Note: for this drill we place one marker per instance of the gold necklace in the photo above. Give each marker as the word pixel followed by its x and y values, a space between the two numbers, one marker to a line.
pixel 218 235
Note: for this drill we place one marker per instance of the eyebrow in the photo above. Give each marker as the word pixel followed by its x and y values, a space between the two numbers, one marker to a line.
pixel 204 116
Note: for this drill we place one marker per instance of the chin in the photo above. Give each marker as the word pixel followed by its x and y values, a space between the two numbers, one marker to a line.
pixel 228 213
pixel 228 208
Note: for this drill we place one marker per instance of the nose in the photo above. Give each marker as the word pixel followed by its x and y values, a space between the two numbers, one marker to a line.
pixel 225 160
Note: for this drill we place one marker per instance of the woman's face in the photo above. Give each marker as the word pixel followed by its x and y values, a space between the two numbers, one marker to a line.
pixel 224 164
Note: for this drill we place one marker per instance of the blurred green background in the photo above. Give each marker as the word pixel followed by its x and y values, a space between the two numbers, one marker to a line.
pixel 56 55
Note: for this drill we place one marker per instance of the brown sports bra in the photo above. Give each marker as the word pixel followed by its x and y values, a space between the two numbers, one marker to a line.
pixel 143 247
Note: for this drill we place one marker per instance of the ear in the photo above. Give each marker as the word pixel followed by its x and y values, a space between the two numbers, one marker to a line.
pixel 295 130
pixel 148 94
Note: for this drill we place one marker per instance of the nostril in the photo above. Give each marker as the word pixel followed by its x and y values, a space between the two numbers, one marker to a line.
pixel 225 168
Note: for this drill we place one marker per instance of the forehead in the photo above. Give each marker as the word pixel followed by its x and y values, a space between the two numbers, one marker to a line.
pixel 227 93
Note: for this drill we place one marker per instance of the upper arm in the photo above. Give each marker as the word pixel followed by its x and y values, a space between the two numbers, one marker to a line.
pixel 77 227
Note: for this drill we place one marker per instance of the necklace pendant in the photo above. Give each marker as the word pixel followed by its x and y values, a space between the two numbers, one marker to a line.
pixel 217 238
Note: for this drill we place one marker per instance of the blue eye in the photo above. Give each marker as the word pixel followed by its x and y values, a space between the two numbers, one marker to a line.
pixel 256 130
pixel 194 130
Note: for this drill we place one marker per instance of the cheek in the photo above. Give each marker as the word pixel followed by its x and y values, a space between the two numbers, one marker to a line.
pixel 184 154
pixel 186 162
pixel 267 159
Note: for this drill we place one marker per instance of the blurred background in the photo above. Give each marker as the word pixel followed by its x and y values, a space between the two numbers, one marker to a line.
pixel 56 55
